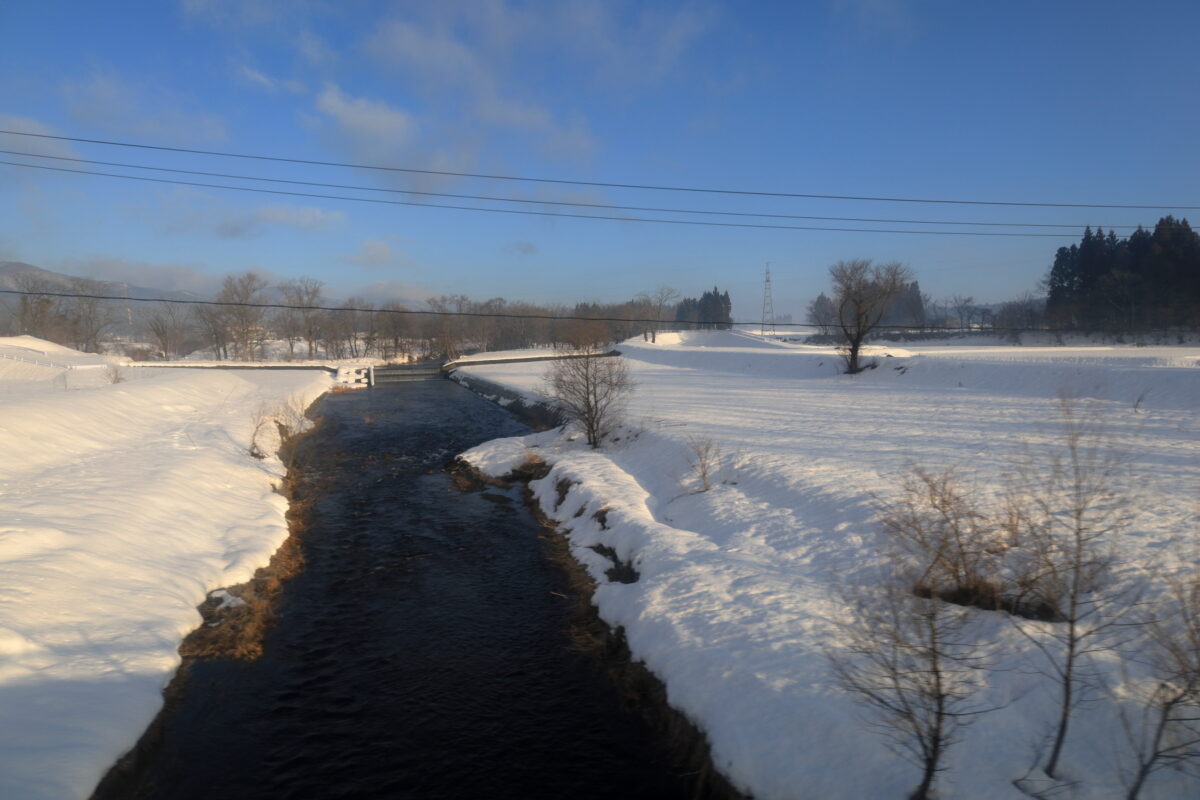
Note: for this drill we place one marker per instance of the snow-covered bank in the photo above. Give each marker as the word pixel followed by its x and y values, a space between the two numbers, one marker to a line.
pixel 739 585
pixel 121 506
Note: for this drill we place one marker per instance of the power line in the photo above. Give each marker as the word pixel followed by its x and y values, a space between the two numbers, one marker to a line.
pixel 576 204
pixel 530 212
pixel 544 317
pixel 601 184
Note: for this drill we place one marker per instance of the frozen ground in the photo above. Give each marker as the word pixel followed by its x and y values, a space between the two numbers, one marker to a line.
pixel 739 585
pixel 121 506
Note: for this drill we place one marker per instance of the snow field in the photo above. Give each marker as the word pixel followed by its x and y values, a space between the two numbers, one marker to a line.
pixel 121 506
pixel 741 586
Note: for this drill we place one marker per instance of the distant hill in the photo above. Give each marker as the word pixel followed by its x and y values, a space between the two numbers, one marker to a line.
pixel 12 272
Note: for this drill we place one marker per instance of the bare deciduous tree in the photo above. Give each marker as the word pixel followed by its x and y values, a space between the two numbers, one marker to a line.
pixel 1071 506
pixel 301 296
pixel 241 296
pixel 84 317
pixel 911 662
pixel 821 313
pixel 1168 732
pixel 861 295
pixel 657 302
pixel 214 326
pixel 964 309
pixel 591 389
pixel 168 325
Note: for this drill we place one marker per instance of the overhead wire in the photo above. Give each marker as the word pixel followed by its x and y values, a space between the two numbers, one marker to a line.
pixel 574 204
pixel 601 184
pixel 531 212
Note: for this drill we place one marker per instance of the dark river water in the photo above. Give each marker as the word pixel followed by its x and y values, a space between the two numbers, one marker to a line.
pixel 422 652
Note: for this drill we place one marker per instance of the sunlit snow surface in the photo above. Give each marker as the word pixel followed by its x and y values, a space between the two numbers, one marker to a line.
pixel 738 584
pixel 121 506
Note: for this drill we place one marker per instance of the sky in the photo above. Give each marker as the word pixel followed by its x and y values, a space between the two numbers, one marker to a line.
pixel 1032 102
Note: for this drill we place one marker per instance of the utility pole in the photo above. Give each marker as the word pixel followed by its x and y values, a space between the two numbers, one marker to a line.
pixel 768 314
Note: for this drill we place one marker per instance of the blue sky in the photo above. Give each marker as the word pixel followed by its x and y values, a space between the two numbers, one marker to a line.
pixel 1022 101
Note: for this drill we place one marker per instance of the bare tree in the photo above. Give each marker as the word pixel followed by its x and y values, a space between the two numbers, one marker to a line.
pixel 1168 733
pixel 911 662
pixel 657 302
pixel 591 389
pixel 861 295
pixel 821 313
pixel 395 331
pixel 301 296
pixel 168 325
pixel 241 295
pixel 38 314
pixel 446 329
pixel 84 317
pixel 964 308
pixel 214 327
pixel 1070 507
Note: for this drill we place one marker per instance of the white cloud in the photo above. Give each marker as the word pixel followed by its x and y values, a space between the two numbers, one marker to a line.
pixel 257 79
pixel 522 248
pixel 374 254
pixel 437 55
pixel 895 19
pixel 189 211
pixel 107 102
pixel 314 49
pixel 378 292
pixel 372 126
pixel 237 224
pixel 241 13
pixel 32 144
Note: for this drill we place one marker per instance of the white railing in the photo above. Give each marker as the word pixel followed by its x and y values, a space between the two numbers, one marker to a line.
pixel 355 376
pixel 41 363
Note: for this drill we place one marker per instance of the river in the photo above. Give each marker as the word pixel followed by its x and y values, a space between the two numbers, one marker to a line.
pixel 423 652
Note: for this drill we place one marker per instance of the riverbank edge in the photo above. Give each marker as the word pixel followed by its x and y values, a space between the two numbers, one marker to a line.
pixel 640 688
pixel 242 625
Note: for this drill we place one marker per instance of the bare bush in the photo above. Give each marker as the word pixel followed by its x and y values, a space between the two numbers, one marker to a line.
pixel 1045 550
pixel 1167 732
pixel 704 460
pixel 114 374
pixel 591 390
pixel 910 661
pixel 261 417
pixel 957 546
pixel 1070 507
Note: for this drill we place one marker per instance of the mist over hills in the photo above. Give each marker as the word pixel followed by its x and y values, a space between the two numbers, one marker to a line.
pixel 17 275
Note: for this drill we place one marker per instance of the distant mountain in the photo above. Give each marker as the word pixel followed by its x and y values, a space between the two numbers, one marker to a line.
pixel 13 274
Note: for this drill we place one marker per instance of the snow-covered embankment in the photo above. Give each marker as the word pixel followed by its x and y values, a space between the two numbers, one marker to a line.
pixel 738 586
pixel 121 506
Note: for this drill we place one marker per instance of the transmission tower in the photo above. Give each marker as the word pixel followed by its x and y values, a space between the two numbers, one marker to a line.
pixel 768 315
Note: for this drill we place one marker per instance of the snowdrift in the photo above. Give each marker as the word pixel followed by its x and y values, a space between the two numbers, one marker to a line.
pixel 123 504
pixel 739 586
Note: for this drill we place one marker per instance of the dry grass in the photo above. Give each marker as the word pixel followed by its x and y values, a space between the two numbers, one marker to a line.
pixel 237 632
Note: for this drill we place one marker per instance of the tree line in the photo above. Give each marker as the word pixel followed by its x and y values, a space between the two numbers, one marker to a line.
pixel 236 326
pixel 1149 280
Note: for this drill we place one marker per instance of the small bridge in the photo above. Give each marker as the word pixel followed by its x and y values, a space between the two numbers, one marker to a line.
pixel 402 373
pixel 435 370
